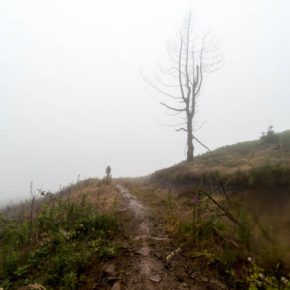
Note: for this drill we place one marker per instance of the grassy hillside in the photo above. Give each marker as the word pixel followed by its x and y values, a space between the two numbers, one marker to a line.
pixel 264 162
pixel 229 210
pixel 59 240
pixel 226 216
pixel 211 240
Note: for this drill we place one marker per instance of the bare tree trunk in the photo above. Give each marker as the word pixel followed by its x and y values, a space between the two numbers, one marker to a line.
pixel 190 147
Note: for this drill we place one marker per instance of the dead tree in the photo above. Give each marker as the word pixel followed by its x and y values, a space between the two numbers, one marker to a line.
pixel 192 57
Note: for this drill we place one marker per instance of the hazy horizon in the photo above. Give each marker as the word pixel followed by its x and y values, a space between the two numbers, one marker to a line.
pixel 73 99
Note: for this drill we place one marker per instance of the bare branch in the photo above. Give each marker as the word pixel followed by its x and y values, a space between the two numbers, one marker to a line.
pixel 165 84
pixel 200 72
pixel 170 70
pixel 179 70
pixel 173 109
pixel 200 126
pixel 181 129
pixel 217 175
pixel 159 90
pixel 227 213
pixel 172 114
pixel 186 61
pixel 203 145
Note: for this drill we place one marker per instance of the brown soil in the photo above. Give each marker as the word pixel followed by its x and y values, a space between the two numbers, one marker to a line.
pixel 144 269
pixel 146 254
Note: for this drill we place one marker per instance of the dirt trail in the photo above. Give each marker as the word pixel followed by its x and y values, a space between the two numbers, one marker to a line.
pixel 144 268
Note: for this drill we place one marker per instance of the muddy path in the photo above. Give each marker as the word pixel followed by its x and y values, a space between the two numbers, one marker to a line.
pixel 142 266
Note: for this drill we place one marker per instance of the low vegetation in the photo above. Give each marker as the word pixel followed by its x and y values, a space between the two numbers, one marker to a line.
pixel 238 165
pixel 229 242
pixel 226 215
pixel 56 243
pixel 228 212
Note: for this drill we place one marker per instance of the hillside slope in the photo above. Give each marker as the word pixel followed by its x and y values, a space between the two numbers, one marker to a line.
pixel 250 164
pixel 250 183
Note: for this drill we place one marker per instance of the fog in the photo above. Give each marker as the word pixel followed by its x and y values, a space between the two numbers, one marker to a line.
pixel 72 99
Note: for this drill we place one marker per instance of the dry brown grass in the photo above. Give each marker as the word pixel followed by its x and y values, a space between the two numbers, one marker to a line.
pixel 272 210
pixel 89 202
pixel 266 218
pixel 103 195
pixel 229 160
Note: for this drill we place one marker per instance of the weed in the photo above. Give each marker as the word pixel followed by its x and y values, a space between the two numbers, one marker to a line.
pixel 218 236
pixel 68 236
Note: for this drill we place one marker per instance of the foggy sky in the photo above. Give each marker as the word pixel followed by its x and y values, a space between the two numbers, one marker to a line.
pixel 72 99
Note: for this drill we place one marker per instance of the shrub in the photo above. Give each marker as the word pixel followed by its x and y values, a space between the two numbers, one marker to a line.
pixel 270 137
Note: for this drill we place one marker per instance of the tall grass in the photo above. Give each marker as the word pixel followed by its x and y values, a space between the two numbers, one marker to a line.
pixel 57 247
pixel 225 240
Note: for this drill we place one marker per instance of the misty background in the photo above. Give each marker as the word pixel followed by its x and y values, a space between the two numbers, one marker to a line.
pixel 72 99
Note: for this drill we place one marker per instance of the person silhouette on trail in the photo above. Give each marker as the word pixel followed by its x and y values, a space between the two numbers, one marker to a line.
pixel 108 172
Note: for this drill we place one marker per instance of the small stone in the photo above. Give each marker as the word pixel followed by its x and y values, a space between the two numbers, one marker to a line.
pixel 194 276
pixel 158 239
pixel 122 210
pixel 155 278
pixel 158 255
pixel 109 269
pixel 116 286
pixel 139 238
pixel 143 251
pixel 218 283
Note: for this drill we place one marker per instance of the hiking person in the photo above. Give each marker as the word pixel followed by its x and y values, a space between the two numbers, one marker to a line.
pixel 108 173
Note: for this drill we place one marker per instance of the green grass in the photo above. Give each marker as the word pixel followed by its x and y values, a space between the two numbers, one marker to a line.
pixel 65 240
